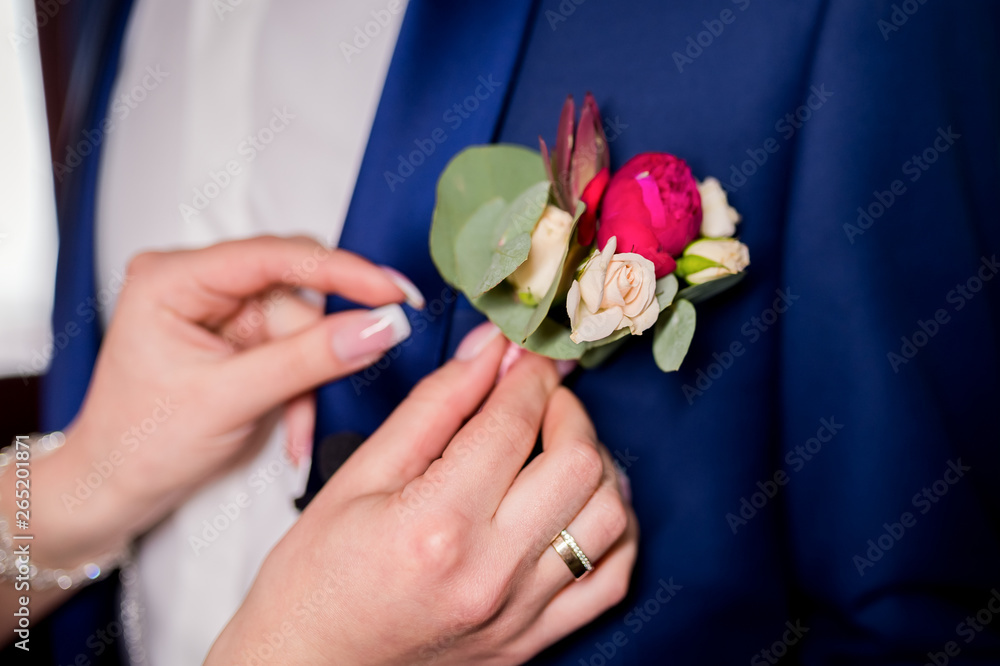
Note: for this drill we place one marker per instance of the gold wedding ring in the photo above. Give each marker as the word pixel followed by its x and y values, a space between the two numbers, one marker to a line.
pixel 578 563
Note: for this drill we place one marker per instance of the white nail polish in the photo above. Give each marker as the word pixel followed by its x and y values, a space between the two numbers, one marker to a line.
pixel 413 296
pixel 389 317
pixel 371 333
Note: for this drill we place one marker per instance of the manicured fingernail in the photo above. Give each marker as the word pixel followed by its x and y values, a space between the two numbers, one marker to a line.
pixel 565 367
pixel 510 357
pixel 476 341
pixel 624 484
pixel 311 296
pixel 296 449
pixel 372 333
pixel 299 443
pixel 413 296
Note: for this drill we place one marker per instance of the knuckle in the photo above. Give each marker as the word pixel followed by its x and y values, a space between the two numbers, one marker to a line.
pixel 436 395
pixel 614 518
pixel 303 239
pixel 584 462
pixel 266 239
pixel 542 373
pixel 545 377
pixel 618 587
pixel 435 544
pixel 516 429
pixel 477 606
pixel 142 264
pixel 300 359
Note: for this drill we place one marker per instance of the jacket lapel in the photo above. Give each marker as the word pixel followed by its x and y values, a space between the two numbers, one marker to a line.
pixel 446 89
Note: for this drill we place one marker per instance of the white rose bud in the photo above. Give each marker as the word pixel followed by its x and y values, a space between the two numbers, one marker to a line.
pixel 731 256
pixel 614 291
pixel 718 217
pixel 534 277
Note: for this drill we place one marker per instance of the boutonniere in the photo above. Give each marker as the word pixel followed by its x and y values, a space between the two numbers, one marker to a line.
pixel 571 261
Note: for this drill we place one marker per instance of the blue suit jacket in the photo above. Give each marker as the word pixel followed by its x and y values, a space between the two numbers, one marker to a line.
pixel 819 481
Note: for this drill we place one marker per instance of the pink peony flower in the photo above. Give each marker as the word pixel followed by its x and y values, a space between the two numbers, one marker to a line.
pixel 653 207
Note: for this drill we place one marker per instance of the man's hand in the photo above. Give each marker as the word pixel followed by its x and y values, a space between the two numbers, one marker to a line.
pixel 432 542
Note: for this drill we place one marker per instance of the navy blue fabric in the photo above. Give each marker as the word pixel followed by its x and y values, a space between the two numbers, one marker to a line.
pixel 76 312
pixel 790 377
pixel 853 292
pixel 812 398
pixel 81 627
pixel 447 56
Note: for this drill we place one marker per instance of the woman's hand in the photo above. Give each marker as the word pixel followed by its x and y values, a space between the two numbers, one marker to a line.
pixel 203 350
pixel 432 543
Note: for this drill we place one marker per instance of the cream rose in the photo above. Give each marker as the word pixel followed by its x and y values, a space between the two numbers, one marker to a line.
pixel 614 291
pixel 730 255
pixel 533 278
pixel 718 217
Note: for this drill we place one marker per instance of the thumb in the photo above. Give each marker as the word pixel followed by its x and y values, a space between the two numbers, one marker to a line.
pixel 337 346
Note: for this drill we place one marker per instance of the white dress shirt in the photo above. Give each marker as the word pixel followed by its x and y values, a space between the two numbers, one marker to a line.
pixel 232 120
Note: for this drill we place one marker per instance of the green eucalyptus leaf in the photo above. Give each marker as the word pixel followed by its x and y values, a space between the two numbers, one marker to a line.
pixel 552 340
pixel 502 306
pixel 697 293
pixel 486 216
pixel 673 334
pixel 472 178
pixel 492 243
pixel 666 289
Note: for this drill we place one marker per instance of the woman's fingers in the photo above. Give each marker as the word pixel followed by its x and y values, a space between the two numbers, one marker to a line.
pixel 275 313
pixel 337 346
pixel 580 603
pixel 556 485
pixel 300 424
pixel 607 532
pixel 489 451
pixel 418 430
pixel 208 285
pixel 596 529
